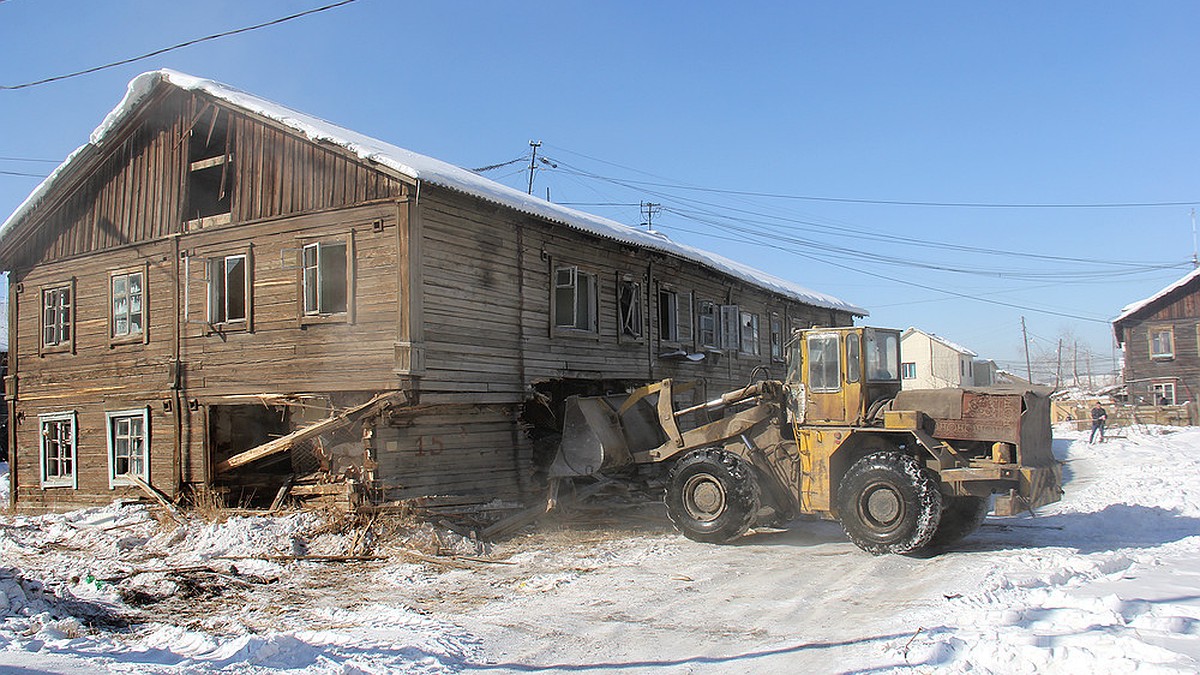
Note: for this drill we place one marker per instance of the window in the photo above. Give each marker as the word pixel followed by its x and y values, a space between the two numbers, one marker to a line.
pixel 127 446
pixel 668 315
pixel 210 164
pixel 730 338
pixel 824 368
pixel 908 370
pixel 57 316
pixel 574 299
pixel 706 324
pixel 1164 393
pixel 1162 343
pixel 228 289
pixel 58 449
pixel 776 338
pixel 748 322
pixel 325 279
pixel 127 294
pixel 883 355
pixel 629 308
pixel 853 358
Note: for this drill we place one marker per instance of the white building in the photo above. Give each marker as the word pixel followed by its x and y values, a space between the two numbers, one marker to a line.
pixel 929 361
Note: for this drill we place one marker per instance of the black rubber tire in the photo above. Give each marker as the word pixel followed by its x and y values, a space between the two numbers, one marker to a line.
pixel 888 502
pixel 712 496
pixel 961 516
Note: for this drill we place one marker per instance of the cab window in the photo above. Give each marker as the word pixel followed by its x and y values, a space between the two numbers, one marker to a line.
pixel 883 356
pixel 824 367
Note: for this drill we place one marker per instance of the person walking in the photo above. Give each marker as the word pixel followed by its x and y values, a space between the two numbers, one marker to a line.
pixel 1099 417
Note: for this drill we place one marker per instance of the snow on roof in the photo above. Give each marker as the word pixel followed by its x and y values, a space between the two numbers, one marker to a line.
pixel 1133 308
pixel 940 340
pixel 428 169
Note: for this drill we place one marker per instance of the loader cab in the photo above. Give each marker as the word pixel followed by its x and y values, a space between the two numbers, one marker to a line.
pixel 836 375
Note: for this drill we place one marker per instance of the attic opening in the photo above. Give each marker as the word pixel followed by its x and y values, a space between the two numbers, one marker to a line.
pixel 210 165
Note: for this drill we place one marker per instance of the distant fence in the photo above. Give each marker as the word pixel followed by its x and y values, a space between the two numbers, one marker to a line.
pixel 1124 415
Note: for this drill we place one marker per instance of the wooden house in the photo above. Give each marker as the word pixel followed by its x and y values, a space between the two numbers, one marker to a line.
pixel 218 295
pixel 1160 337
pixel 929 361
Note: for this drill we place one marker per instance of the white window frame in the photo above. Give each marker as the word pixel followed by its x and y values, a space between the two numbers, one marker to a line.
pixel 1160 390
pixel 218 289
pixel 748 335
pixel 127 312
pixel 1157 350
pixel 908 370
pixel 68 480
pixel 111 421
pixel 314 275
pixel 583 317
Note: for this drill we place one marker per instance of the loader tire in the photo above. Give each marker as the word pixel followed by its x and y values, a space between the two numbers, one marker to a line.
pixel 961 516
pixel 712 496
pixel 889 503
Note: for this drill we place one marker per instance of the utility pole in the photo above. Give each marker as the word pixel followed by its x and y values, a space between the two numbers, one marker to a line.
pixel 1075 362
pixel 1058 368
pixel 648 210
pixel 1195 260
pixel 1025 338
pixel 533 162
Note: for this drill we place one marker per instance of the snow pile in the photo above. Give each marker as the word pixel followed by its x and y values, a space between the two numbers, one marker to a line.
pixel 4 487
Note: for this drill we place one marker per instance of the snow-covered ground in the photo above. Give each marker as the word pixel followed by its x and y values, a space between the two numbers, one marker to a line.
pixel 1106 581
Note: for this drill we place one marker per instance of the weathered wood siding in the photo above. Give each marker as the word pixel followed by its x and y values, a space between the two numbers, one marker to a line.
pixel 1181 315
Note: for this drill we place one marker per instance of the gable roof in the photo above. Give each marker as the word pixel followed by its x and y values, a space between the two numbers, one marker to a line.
pixel 1134 310
pixel 940 340
pixel 426 169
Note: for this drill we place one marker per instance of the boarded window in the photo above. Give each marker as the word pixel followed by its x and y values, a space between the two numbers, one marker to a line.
pixel 56 316
pixel 127 445
pixel 127 295
pixel 58 449
pixel 730 327
pixel 228 290
pixel 574 299
pixel 629 308
pixel 325 277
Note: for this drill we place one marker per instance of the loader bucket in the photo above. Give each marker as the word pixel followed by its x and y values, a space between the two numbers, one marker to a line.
pixel 597 439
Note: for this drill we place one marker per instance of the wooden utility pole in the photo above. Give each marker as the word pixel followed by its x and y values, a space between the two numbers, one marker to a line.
pixel 1025 338
pixel 533 163
pixel 1058 368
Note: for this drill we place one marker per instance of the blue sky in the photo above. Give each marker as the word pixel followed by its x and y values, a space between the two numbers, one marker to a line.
pixel 707 107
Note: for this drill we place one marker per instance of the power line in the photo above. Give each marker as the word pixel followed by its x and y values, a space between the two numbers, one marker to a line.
pixel 28 159
pixel 181 45
pixel 21 173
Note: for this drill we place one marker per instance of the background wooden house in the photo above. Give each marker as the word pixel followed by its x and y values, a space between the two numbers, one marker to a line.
pixel 1160 336
pixel 214 271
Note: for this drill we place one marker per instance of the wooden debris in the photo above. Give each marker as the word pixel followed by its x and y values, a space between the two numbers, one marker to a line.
pixel 280 496
pixel 159 497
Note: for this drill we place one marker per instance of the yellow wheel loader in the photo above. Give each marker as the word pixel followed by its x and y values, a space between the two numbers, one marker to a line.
pixel 903 471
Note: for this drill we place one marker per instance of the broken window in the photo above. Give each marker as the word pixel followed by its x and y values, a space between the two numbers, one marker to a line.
pixel 127 294
pixel 668 315
pixel 58 449
pixel 228 289
pixel 706 325
pixel 1162 343
pixel 325 278
pixel 57 316
pixel 629 308
pixel 574 299
pixel 748 333
pixel 210 166
pixel 127 445
pixel 776 338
